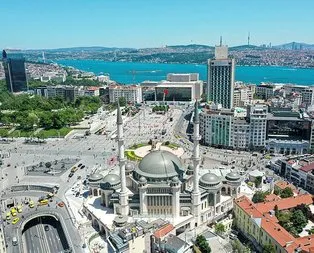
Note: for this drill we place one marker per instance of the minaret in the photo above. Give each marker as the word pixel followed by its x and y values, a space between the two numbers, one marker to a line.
pixel 124 205
pixel 196 195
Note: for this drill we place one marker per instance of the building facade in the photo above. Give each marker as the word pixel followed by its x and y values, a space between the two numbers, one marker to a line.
pixel 220 78
pixel 132 93
pixel 15 74
pixel 232 128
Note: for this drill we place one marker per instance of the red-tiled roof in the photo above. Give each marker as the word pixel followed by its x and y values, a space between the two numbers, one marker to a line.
pixel 308 167
pixel 277 232
pixel 163 231
pixel 282 185
pixel 284 204
pixel 271 197
pixel 269 222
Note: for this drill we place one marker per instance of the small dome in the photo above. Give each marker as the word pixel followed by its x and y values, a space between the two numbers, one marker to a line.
pixel 210 179
pixel 175 180
pixel 233 176
pixel 95 177
pixel 143 180
pixel 129 167
pixel 112 179
pixel 190 167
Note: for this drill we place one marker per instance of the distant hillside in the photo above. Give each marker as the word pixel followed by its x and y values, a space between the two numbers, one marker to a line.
pixel 244 47
pixel 295 46
pixel 80 49
pixel 191 46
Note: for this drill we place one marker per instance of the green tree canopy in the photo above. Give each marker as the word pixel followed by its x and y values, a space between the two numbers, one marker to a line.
pixel 269 248
pixel 220 228
pixel 286 193
pixel 258 181
pixel 259 196
pixel 202 244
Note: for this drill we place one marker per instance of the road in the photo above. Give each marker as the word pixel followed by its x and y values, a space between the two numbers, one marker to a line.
pixel 38 240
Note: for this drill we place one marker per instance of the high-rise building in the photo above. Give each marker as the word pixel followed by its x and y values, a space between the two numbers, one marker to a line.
pixel 220 79
pixel 14 68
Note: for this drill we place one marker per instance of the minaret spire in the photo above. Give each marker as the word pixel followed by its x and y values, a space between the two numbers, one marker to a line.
pixel 124 205
pixel 196 196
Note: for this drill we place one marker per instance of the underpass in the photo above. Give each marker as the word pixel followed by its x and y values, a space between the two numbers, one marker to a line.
pixel 44 234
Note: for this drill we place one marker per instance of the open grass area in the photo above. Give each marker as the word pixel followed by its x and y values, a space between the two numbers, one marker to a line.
pixel 132 156
pixel 21 133
pixel 135 146
pixel 171 145
pixel 51 133
pixel 4 132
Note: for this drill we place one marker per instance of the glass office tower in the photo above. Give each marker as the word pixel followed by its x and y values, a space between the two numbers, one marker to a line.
pixel 14 68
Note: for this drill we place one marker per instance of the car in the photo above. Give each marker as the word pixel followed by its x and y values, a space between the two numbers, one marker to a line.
pixel 71 174
pixel 50 195
pixel 43 202
pixel 19 209
pixel 77 194
pixel 83 167
pixel 61 204
pixel 89 149
pixel 46 228
pixel 15 220
pixel 31 204
pixel 8 216
pixel 79 177
pixel 79 165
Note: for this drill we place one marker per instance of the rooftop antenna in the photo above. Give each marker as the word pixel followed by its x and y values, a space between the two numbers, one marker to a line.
pixel 248 39
pixel 220 40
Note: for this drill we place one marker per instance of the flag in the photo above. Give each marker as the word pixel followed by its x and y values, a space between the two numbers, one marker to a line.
pixel 166 91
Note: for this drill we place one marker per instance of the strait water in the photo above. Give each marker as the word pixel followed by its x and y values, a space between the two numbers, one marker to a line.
pixel 135 72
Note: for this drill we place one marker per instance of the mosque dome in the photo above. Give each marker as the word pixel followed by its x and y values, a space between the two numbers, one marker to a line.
pixel 175 180
pixel 143 180
pixel 95 177
pixel 233 176
pixel 209 180
pixel 110 181
pixel 160 164
pixel 129 167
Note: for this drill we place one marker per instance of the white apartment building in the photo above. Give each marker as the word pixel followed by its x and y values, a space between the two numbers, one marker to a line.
pixel 258 122
pixel 242 96
pixel 307 96
pixel 231 128
pixel 132 93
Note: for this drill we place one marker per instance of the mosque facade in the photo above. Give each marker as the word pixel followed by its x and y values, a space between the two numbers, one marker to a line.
pixel 161 185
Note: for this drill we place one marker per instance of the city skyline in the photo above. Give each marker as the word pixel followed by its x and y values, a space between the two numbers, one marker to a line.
pixel 138 24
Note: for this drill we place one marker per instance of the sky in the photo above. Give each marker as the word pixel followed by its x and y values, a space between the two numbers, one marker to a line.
pixel 42 24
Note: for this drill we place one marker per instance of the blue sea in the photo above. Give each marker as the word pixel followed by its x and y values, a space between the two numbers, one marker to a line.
pixel 135 72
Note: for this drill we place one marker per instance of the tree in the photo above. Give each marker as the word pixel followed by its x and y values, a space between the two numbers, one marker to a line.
pixel 48 165
pixel 299 220
pixel 202 244
pixel 276 209
pixel 259 196
pixel 258 181
pixel 286 193
pixel 220 228
pixel 269 248
pixel 238 247
pixel 305 210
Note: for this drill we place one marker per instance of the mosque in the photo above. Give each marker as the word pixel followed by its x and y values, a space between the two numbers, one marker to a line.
pixel 162 186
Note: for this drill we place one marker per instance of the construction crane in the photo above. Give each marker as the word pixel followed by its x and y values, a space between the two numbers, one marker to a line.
pixel 134 72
